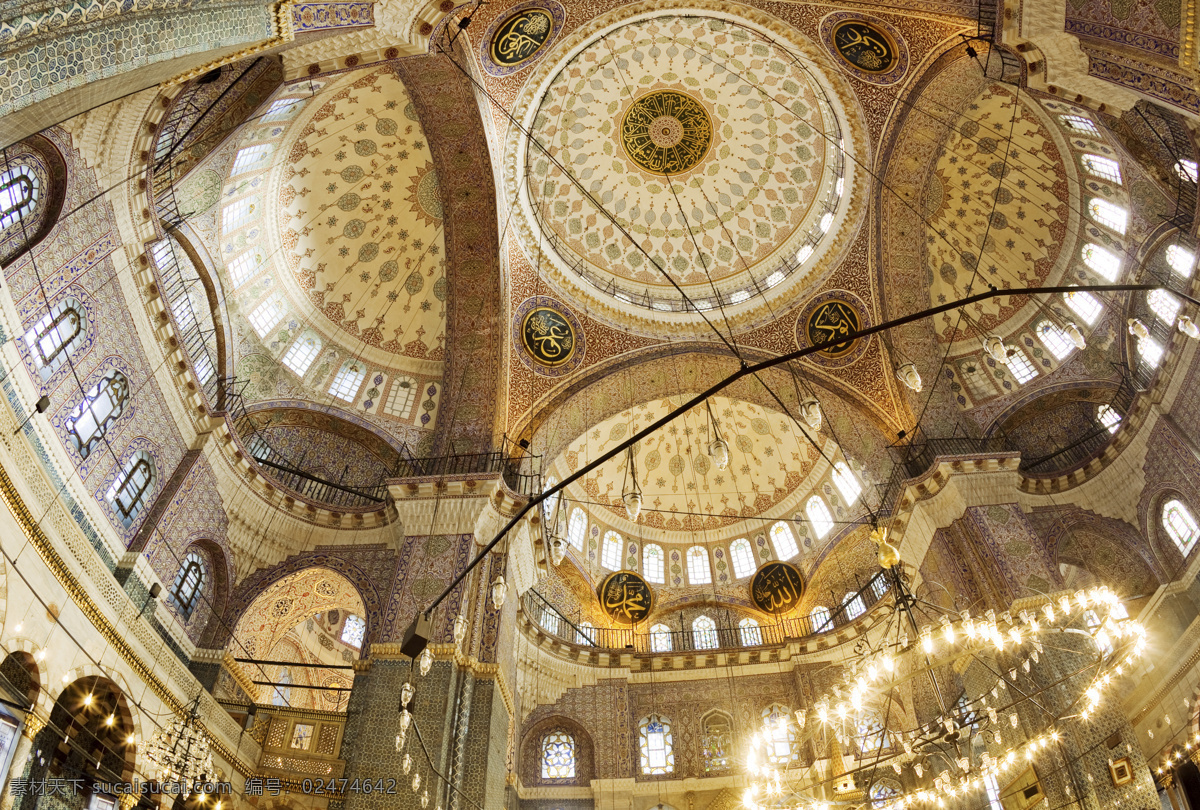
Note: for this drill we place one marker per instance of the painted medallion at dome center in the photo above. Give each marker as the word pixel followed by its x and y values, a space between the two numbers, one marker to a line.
pixel 704 139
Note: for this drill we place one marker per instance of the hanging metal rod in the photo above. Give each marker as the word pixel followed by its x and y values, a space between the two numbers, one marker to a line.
pixel 292 663
pixel 748 369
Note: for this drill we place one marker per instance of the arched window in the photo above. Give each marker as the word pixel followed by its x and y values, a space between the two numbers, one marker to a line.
pixel 854 605
pixel 551 502
pixel 585 634
pixel 353 631
pixel 1109 214
pixel 1080 124
pixel 818 516
pixel 1085 305
pixel 250 157
pixel 243 267
pixel 577 528
pixel 750 633
pixel 549 622
pixel 610 554
pixel 56 335
pixel 1180 525
pixel 846 483
pixel 1020 367
pixel 401 397
pixel 1150 350
pixel 100 408
pixel 784 541
pixel 1182 260
pixel 657 748
pixel 819 618
pixel 1109 417
pixel 131 489
pixel 652 563
pixel 884 791
pixel 1055 339
pixel 1188 170
pixel 660 638
pixel 558 756
pixel 19 193
pixel 282 695
pixel 869 732
pixel 267 315
pixel 189 582
pixel 697 564
pixel 1165 305
pixel 1104 262
pixel 742 557
pixel 718 742
pixel 348 380
pixel 704 633
pixel 301 354
pixel 1103 167
pixel 781 738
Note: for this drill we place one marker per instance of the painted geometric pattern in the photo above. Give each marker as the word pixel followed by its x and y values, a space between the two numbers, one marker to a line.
pixel 319 16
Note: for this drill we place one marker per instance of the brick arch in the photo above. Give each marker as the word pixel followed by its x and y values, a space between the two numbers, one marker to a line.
pixel 530 762
pixel 1161 545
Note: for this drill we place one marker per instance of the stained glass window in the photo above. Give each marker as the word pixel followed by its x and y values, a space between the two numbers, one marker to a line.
pixel 742 557
pixel 660 638
pixel 1085 305
pixel 1104 262
pixel 551 502
pixel 1080 124
pixel 250 157
pixel 869 732
pixel 282 693
pixel 781 737
pixel 19 191
pixel 1165 305
pixel 610 554
pixel 302 736
pixel 750 633
pixel 348 380
pixel 1103 167
pixel 883 792
pixel 657 748
pixel 784 541
pixel 652 563
pixel 697 564
pixel 1151 351
pixel 1180 525
pixel 1182 260
pixel 1188 170
pixel 846 483
pixel 353 630
pixel 129 492
pixel 1108 214
pixel 266 316
pixel 704 633
pixel 1109 417
pixel 100 408
pixel 1020 367
pixel 558 756
pixel 301 354
pixel 819 617
pixel 818 516
pixel 243 267
pixel 185 592
pixel 577 528
pixel 401 397
pixel 585 634
pixel 1055 339
pixel 718 742
pixel 56 335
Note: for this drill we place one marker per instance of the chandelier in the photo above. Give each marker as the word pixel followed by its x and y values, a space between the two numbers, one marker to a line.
pixel 181 751
pixel 1091 642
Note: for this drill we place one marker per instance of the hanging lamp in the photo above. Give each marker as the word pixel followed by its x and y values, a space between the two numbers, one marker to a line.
pixel 632 496
pixel 810 411
pixel 907 374
pixel 717 448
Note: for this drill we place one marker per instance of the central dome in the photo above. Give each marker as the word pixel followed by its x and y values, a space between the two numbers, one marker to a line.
pixel 714 146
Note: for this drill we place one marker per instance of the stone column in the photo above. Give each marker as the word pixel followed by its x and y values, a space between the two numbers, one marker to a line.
pixel 33 725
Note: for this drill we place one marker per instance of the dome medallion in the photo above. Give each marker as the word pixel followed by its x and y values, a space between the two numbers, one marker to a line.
pixel 712 140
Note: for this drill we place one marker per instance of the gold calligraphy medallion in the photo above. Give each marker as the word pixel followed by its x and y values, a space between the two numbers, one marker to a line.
pixel 666 132
pixel 776 587
pixel 521 37
pixel 548 336
pixel 865 46
pixel 625 597
pixel 831 320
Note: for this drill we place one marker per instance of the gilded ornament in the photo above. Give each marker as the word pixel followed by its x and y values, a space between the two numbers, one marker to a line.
pixel 548 336
pixel 776 587
pixel 521 37
pixel 666 132
pixel 830 321
pixel 864 45
pixel 625 597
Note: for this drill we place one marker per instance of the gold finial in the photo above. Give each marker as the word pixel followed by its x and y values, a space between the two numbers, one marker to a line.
pixel 889 555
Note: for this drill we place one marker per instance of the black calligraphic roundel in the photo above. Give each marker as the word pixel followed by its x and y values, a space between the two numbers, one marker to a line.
pixel 548 336
pixel 865 46
pixel 666 132
pixel 776 587
pixel 831 320
pixel 625 597
pixel 521 36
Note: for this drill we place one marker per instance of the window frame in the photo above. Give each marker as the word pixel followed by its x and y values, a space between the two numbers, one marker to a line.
pixel 704 633
pixel 1108 214
pixel 657 573
pixel 48 328
pixel 780 528
pixel 1020 367
pixel 576 538
pixel 14 210
pixel 1177 506
pixel 566 769
pixel 1054 339
pixel 303 352
pixel 193 563
pixel 695 576
pixel 1103 167
pixel 359 634
pixel 750 632
pixel 100 425
pixel 655 724
pixel 741 558
pixel 822 518
pixel 129 512
pixel 612 550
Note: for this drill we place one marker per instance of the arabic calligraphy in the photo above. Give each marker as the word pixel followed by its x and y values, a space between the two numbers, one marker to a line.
pixel 864 46
pixel 776 587
pixel 521 37
pixel 548 337
pixel 832 320
pixel 625 597
pixel 666 132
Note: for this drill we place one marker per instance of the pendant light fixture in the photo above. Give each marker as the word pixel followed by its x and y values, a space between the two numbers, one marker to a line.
pixel 1138 329
pixel 1072 330
pixel 1188 327
pixel 996 349
pixel 810 411
pixel 499 592
pixel 907 374
pixel 717 448
pixel 460 629
pixel 632 496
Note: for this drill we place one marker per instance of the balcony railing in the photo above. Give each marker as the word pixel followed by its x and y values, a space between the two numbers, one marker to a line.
pixel 639 640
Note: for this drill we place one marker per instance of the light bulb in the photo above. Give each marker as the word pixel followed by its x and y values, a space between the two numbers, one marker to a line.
pixel 17 629
pixel 416 781
pixel 633 504
pixel 108 721
pixel 406 764
pixel 425 662
pixel 405 720
pixel 719 451
pixel 1075 335
pixel 927 639
pixel 406 693
pixel 908 375
pixel 810 410
pixel 460 628
pixel 1138 329
pixel 425 798
pixel 947 630
pixel 1188 327
pixel 499 592
pixel 558 550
